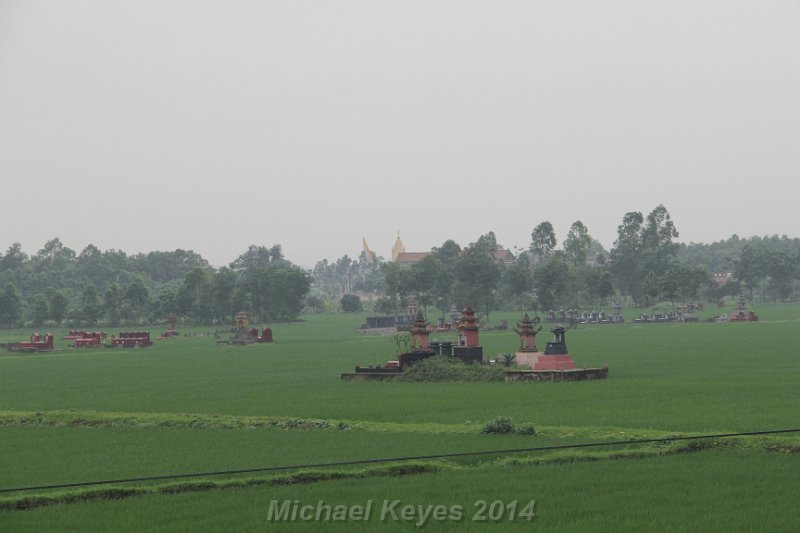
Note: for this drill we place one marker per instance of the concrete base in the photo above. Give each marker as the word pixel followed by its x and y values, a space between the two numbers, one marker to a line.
pixel 540 361
pixel 574 374
pixel 368 376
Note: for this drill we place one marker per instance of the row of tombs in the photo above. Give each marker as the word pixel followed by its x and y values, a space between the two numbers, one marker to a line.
pixel 554 364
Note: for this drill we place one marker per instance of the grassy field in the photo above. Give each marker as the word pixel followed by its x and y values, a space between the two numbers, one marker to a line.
pixel 187 405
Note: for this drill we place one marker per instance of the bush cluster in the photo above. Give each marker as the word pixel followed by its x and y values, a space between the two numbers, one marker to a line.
pixel 441 368
pixel 504 425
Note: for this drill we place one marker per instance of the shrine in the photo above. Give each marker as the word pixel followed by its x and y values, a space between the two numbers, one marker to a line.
pixel 467 348
pixel 741 314
pixel 38 343
pixel 172 327
pixel 527 329
pixel 420 348
pixel 245 334
pixel 554 364
pixel 130 339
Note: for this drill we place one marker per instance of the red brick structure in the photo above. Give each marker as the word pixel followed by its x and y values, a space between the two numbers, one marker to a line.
pixel 468 328
pixel 419 333
pixel 527 330
pixel 468 349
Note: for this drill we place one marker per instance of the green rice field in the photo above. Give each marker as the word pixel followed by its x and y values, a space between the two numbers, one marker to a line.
pixel 187 405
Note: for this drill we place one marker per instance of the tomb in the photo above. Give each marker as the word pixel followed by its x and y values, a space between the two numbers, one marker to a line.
pixel 131 339
pixel 172 328
pixel 38 343
pixel 741 314
pixel 246 334
pixel 420 348
pixel 89 339
pixel 527 329
pixel 555 364
pixel 467 348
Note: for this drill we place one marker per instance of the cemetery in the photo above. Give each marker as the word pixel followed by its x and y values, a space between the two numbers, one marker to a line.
pixel 554 364
pixel 467 348
pixel 115 418
pixel 37 343
pixel 172 328
pixel 246 334
pixel 130 339
pixel 574 316
pixel 89 340
pixel 741 313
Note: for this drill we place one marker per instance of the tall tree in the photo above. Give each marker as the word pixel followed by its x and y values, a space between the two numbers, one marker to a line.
pixel 658 246
pixel 600 284
pixel 478 273
pixel 137 299
pixel 286 287
pixel 398 284
pixel 58 307
pixel 444 285
pixel 782 269
pixel 682 282
pixel 543 241
pixel 626 254
pixel 550 282
pixel 112 304
pixel 423 278
pixel 10 305
pixel 39 310
pixel 578 243
pixel 193 298
pixel 14 258
pixel 257 257
pixel 517 282
pixel 90 309
pixel 751 267
pixel 223 290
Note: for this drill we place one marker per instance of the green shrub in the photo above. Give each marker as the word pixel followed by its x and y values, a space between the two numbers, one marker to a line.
pixel 504 425
pixel 507 359
pixel 500 425
pixel 526 429
pixel 446 369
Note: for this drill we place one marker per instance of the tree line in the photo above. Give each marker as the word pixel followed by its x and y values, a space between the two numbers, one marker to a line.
pixel 58 286
pixel 645 266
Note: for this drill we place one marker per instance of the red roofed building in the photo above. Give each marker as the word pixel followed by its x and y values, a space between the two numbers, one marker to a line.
pixel 400 256
pixel 409 258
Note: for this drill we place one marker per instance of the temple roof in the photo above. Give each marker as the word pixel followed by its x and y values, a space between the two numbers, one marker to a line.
pixel 398 248
pixel 399 255
pixel 409 258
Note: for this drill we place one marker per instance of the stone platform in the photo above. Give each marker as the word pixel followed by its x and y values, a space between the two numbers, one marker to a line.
pixel 540 361
pixel 572 374
pixel 368 376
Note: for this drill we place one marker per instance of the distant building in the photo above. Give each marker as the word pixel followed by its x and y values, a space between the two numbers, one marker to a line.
pixel 401 257
pixel 398 248
pixel 721 278
pixel 369 254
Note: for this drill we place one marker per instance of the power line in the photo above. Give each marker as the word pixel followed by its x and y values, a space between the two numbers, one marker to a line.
pixel 398 459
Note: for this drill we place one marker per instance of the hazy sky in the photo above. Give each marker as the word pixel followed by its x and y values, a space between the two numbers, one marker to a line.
pixel 155 125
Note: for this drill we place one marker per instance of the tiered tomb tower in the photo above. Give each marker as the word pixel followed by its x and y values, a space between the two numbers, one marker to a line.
pixel 468 328
pixel 468 349
pixel 419 334
pixel 527 330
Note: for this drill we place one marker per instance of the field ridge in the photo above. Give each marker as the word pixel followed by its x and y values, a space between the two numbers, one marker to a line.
pixel 25 501
pixel 90 418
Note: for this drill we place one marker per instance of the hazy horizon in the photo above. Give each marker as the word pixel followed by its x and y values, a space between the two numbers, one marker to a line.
pixel 205 126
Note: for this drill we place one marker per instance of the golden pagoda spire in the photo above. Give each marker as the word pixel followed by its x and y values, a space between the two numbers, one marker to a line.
pixel 398 247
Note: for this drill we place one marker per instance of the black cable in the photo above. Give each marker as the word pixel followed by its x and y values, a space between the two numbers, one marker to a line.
pixel 398 459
